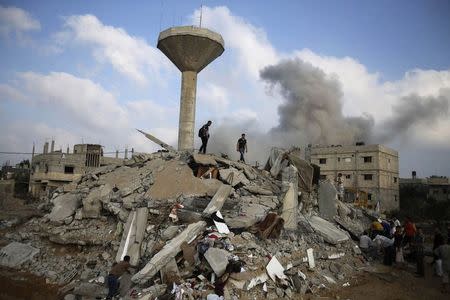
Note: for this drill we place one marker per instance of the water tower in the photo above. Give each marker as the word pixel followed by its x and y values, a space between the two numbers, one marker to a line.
pixel 191 49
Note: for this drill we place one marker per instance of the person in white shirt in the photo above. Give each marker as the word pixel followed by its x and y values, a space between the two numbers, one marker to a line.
pixel 366 246
pixel 387 246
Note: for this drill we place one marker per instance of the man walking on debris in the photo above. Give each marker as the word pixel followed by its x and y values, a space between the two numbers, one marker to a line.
pixel 117 270
pixel 203 133
pixel 241 147
pixel 443 252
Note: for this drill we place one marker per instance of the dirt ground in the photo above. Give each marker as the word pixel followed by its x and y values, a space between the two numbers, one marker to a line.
pixel 390 283
pixel 22 286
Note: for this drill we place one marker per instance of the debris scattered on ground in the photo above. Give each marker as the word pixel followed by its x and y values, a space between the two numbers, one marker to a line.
pixel 195 226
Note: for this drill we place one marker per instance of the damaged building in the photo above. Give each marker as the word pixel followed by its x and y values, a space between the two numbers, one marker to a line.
pixel 369 172
pixel 54 168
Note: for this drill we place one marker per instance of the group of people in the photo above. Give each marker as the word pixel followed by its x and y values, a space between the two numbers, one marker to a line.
pixel 203 134
pixel 395 242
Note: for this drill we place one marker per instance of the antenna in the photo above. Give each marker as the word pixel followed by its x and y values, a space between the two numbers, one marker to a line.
pixel 201 14
pixel 161 15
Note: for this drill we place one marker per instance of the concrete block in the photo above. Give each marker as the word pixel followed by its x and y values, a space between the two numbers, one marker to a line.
pixel 327 199
pixel 64 206
pixel 328 231
pixel 217 259
pixel 290 204
pixel 305 172
pixel 218 200
pixel 204 159
pixel 14 254
pixel 233 176
pixel 168 252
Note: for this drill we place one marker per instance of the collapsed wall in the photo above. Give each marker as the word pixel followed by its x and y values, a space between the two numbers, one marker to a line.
pixel 202 222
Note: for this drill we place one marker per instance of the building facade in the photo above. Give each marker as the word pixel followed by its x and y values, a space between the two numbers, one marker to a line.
pixel 368 171
pixel 52 169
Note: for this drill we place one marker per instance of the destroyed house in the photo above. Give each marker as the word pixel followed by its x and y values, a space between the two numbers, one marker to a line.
pixel 369 172
pixel 53 168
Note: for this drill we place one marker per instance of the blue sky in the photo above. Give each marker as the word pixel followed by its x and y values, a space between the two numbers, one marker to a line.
pixel 104 53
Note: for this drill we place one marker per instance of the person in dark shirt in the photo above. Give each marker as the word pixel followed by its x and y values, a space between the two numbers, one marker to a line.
pixel 241 147
pixel 419 255
pixel 117 270
pixel 203 133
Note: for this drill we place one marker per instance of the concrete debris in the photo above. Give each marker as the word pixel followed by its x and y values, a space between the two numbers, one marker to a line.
pixel 168 252
pixel 195 223
pixel 15 254
pixel 204 159
pixel 275 269
pixel 311 261
pixel 217 259
pixel 328 231
pixel 290 203
pixel 157 141
pixel 218 200
pixel 327 199
pixel 233 176
pixel 65 206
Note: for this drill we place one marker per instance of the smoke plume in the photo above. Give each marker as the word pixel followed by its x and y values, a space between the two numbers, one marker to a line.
pixel 312 113
pixel 312 108
pixel 412 110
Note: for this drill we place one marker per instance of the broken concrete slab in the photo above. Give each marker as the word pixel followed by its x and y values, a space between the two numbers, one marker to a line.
pixel 327 199
pixel 241 221
pixel 14 254
pixel 204 159
pixel 353 227
pixel 128 236
pixel 65 206
pixel 217 259
pixel 258 190
pixel 328 231
pixel 218 200
pixel 175 180
pixel 141 223
pixel 157 141
pixel 169 233
pixel 290 205
pixel 279 164
pixel 233 176
pixel 92 204
pixel 305 171
pixel 133 236
pixel 169 251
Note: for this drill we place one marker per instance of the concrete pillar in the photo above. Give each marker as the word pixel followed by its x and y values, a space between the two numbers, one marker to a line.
pixel 68 150
pixel 117 153
pixel 187 111
pixel 46 148
pixel 132 152
pixel 52 148
pixel 126 153
pixel 32 153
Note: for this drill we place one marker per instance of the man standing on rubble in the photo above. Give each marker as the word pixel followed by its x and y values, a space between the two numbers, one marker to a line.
pixel 203 133
pixel 241 147
pixel 117 270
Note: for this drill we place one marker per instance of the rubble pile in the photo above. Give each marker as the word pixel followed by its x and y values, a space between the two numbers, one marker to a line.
pixel 195 226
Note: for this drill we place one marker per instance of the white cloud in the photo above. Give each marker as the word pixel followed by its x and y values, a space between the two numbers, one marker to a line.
pixel 16 21
pixel 248 42
pixel 128 55
pixel 82 109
